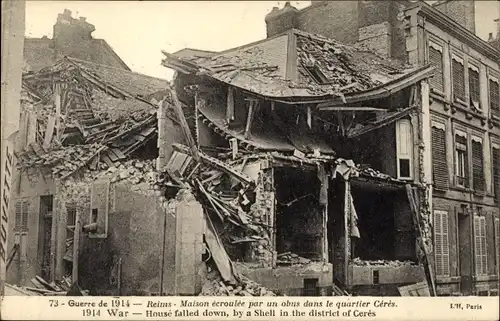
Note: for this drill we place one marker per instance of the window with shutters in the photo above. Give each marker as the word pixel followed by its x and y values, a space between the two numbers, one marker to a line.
pixel 404 148
pixel 441 243
pixel 478 182
pixel 474 91
pixel 497 245
pixel 495 155
pixel 439 159
pixel 458 74
pixel 480 251
pixel 436 60
pixel 494 90
pixel 461 161
pixel 22 212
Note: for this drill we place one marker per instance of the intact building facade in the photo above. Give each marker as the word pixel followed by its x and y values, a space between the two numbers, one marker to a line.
pixel 464 127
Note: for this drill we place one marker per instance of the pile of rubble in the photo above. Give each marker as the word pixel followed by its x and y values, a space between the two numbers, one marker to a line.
pixel 290 258
pixel 394 263
pixel 215 286
pixel 61 288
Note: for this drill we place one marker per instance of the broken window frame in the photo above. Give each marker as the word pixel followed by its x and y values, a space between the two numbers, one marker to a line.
pixel 317 75
pixel 407 152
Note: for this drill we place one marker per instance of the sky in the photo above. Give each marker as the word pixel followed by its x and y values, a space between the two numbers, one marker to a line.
pixel 139 30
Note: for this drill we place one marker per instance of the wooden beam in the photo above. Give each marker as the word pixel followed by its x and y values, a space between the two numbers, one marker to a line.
pixel 427 266
pixel 309 117
pixel 253 103
pixel 76 246
pixel 349 108
pixel 184 125
pixel 230 104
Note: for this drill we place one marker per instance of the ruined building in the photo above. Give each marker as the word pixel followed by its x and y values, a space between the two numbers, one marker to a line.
pixel 70 37
pixel 283 114
pixel 464 127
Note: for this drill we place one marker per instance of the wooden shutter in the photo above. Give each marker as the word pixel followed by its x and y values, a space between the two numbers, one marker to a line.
pixel 22 212
pixel 19 215
pixel 496 172
pixel 497 245
pixel 436 60
pixel 474 86
pixel 480 245
pixel 439 160
pixel 458 79
pixel 441 245
pixel 477 166
pixel 494 98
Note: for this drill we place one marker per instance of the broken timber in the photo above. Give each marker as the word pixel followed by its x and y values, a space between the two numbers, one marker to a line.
pixel 215 162
pixel 427 265
pixel 184 125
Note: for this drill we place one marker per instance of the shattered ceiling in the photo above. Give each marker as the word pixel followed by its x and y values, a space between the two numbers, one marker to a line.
pixel 266 67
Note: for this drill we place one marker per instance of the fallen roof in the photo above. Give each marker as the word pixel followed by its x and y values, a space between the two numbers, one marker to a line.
pixel 133 83
pixel 289 65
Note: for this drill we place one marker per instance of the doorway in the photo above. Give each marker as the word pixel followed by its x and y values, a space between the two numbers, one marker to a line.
pixel 465 252
pixel 45 235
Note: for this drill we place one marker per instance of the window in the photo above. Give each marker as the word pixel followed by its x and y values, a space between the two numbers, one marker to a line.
pixel 404 148
pixel 497 244
pixel 317 75
pixel 458 74
pixel 439 159
pixel 441 245
pixel 495 155
pixel 494 97
pixel 461 161
pixel 22 211
pixel 480 245
pixel 71 215
pixel 436 60
pixel 474 91
pixel 478 182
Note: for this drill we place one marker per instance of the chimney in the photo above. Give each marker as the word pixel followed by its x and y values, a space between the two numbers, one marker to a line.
pixel 463 12
pixel 281 20
pixel 67 29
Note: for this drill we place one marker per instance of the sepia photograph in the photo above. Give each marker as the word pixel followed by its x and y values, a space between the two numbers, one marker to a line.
pixel 250 149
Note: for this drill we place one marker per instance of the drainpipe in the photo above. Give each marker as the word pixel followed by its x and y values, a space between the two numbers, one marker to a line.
pixel 162 270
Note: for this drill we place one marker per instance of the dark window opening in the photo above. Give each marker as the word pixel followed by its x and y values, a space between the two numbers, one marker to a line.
pixel 317 75
pixel 376 277
pixel 94 215
pixel 461 161
pixel 404 168
pixel 385 223
pixel 148 151
pixel 71 215
pixel 299 221
pixel 311 287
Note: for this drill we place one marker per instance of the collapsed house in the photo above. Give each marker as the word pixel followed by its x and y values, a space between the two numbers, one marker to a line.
pixel 235 181
pixel 280 117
